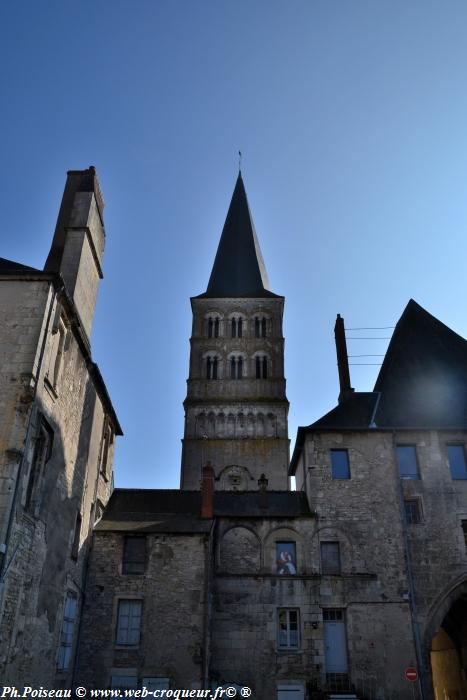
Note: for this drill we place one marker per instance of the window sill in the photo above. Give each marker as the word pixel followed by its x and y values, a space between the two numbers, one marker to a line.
pixel 127 647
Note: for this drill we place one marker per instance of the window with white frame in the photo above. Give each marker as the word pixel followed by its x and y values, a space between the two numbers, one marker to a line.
pixel 129 622
pixel 288 636
pixel 67 634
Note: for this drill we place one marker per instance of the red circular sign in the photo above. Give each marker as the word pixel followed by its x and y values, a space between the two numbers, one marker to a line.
pixel 411 674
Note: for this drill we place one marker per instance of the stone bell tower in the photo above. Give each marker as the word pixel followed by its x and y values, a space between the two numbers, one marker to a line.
pixel 236 408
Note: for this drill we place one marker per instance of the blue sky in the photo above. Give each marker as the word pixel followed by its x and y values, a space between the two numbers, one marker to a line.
pixel 352 118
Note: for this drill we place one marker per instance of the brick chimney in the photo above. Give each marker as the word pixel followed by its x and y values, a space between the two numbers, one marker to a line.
pixel 342 360
pixel 207 491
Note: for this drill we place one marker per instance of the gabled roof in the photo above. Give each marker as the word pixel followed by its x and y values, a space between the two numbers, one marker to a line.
pixel 238 269
pixel 422 383
pixel 423 379
pixel 175 511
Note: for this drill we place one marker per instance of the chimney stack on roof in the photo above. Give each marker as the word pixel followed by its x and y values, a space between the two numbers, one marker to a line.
pixel 207 491
pixel 346 390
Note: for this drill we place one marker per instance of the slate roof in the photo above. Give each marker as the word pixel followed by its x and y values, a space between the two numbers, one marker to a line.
pixel 422 383
pixel 9 267
pixel 238 269
pixel 161 510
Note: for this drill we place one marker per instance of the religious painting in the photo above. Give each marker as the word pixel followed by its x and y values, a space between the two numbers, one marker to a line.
pixel 286 558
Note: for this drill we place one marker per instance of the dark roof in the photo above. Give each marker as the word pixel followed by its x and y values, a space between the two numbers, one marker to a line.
pixel 9 267
pixel 355 412
pixel 160 510
pixel 238 269
pixel 423 379
pixel 422 383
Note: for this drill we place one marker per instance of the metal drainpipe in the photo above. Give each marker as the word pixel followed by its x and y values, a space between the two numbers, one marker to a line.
pixel 412 600
pixel 26 442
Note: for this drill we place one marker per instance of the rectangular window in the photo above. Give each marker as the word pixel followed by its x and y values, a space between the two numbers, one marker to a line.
pixel 286 558
pixel 407 460
pixel 288 629
pixel 330 558
pixel 134 555
pixel 124 682
pixel 41 454
pixel 464 530
pixel 413 513
pixel 107 440
pixel 457 463
pixel 155 683
pixel 340 464
pixel 76 537
pixel 129 622
pixel 67 633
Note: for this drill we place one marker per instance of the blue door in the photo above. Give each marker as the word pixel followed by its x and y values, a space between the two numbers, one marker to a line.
pixel 335 642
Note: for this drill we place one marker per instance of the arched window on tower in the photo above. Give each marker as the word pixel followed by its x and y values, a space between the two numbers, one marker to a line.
pixel 261 324
pixel 237 327
pixel 261 367
pixel 212 367
pixel 236 367
pixel 213 327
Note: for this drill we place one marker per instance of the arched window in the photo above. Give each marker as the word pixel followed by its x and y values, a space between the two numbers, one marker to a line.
pixel 211 367
pixel 236 367
pixel 237 327
pixel 260 326
pixel 213 327
pixel 261 367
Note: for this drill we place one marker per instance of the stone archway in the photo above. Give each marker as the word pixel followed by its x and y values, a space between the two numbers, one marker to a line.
pixel 446 643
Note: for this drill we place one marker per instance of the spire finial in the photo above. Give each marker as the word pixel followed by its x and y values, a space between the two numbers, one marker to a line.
pixel 239 162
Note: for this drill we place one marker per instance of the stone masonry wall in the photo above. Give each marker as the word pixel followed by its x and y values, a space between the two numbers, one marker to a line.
pixel 42 565
pixel 368 511
pixel 173 611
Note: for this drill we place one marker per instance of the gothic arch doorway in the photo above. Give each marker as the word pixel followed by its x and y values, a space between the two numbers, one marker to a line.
pixel 447 645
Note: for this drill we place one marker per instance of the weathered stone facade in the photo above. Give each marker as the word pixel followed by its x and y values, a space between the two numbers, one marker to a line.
pixel 336 588
pixel 56 449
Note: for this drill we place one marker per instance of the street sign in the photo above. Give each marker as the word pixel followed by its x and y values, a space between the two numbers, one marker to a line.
pixel 411 674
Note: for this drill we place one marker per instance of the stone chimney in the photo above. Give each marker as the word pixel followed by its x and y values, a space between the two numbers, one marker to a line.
pixel 78 243
pixel 207 491
pixel 342 360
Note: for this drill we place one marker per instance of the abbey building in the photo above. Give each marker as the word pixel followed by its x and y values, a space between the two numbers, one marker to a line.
pixel 352 586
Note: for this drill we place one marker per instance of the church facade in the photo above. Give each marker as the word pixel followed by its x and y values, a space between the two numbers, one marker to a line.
pixel 349 586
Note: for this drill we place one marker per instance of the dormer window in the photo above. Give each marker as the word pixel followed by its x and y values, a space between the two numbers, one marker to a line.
pixel 261 367
pixel 211 367
pixel 260 326
pixel 213 327
pixel 236 367
pixel 237 327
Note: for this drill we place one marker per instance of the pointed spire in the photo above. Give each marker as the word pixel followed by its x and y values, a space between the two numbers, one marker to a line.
pixel 238 269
